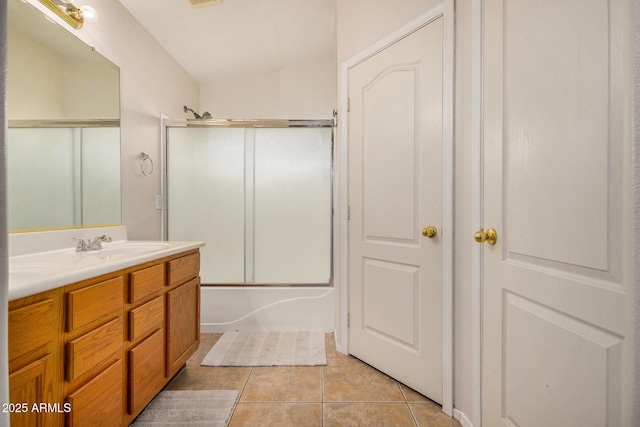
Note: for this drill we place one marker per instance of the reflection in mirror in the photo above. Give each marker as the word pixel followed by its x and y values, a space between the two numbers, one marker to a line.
pixel 64 127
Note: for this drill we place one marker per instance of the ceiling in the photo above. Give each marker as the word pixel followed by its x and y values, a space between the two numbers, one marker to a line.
pixel 239 37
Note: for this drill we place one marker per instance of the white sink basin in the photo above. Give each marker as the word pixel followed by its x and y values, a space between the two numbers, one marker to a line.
pixel 128 248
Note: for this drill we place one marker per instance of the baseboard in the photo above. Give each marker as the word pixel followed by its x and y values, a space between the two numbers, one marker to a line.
pixel 460 416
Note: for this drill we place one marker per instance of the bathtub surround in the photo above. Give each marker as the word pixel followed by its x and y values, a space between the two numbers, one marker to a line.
pixel 268 349
pixel 188 407
pixel 266 308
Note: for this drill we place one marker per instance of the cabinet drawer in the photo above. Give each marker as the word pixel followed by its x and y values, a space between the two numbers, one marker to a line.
pixel 146 318
pixel 146 371
pixel 31 328
pixel 92 303
pixel 144 283
pixel 99 402
pixel 97 347
pixel 183 269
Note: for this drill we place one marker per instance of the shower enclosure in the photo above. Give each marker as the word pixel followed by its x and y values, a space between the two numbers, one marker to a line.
pixel 259 193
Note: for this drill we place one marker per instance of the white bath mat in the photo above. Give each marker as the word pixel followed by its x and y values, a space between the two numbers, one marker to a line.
pixel 268 349
pixel 188 408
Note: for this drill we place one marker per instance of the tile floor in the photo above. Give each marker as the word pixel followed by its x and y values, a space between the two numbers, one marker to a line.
pixel 345 392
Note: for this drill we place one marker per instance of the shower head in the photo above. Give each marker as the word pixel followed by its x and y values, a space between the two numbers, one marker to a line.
pixel 187 109
pixel 205 115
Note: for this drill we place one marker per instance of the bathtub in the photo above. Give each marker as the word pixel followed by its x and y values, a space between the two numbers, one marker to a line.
pixel 260 308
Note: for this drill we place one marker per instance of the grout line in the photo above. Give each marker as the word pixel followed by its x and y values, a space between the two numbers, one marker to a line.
pixel 404 396
pixel 240 392
pixel 406 402
pixel 415 420
pixel 322 394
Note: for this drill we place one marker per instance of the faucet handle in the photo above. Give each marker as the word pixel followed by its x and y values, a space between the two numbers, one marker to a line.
pixel 81 246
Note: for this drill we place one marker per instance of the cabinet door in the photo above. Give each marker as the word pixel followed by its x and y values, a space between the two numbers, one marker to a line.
pixel 29 386
pixel 183 324
pixel 99 402
pixel 146 371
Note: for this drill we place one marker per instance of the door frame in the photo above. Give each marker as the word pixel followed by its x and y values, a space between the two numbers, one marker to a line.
pixel 477 205
pixel 445 10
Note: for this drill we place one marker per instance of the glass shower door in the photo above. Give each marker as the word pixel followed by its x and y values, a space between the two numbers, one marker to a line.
pixel 205 190
pixel 259 197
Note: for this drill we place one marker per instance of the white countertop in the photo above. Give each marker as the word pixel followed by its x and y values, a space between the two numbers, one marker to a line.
pixel 33 273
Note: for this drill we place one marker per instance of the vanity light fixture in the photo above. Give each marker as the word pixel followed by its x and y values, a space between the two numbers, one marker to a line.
pixel 200 3
pixel 70 14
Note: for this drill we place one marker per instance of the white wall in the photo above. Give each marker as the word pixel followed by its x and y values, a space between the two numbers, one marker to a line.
pixel 633 400
pixel 80 85
pixel 299 91
pixel 360 23
pixel 4 255
pixel 151 83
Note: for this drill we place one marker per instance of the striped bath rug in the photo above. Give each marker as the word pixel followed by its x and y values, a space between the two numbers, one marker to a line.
pixel 268 349
pixel 187 408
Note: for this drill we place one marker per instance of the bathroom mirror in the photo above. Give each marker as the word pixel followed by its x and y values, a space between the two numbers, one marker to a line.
pixel 63 107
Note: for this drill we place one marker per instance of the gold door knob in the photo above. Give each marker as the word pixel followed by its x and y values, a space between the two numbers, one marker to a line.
pixel 490 236
pixel 430 232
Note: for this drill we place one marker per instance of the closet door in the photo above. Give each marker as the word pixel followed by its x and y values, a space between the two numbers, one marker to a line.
pixel 556 144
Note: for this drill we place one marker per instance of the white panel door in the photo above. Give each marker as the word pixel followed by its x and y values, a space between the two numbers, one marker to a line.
pixel 395 190
pixel 556 144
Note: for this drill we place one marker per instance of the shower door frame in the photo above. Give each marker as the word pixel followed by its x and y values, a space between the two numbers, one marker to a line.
pixel 166 123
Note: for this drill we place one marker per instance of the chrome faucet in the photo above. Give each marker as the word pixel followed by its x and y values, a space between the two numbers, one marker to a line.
pixel 91 245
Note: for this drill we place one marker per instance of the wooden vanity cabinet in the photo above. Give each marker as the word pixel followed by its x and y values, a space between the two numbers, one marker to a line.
pixel 98 351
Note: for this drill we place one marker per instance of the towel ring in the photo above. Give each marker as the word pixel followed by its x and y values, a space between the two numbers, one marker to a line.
pixel 143 158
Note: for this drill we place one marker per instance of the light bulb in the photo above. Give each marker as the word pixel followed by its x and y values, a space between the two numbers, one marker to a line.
pixel 89 14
